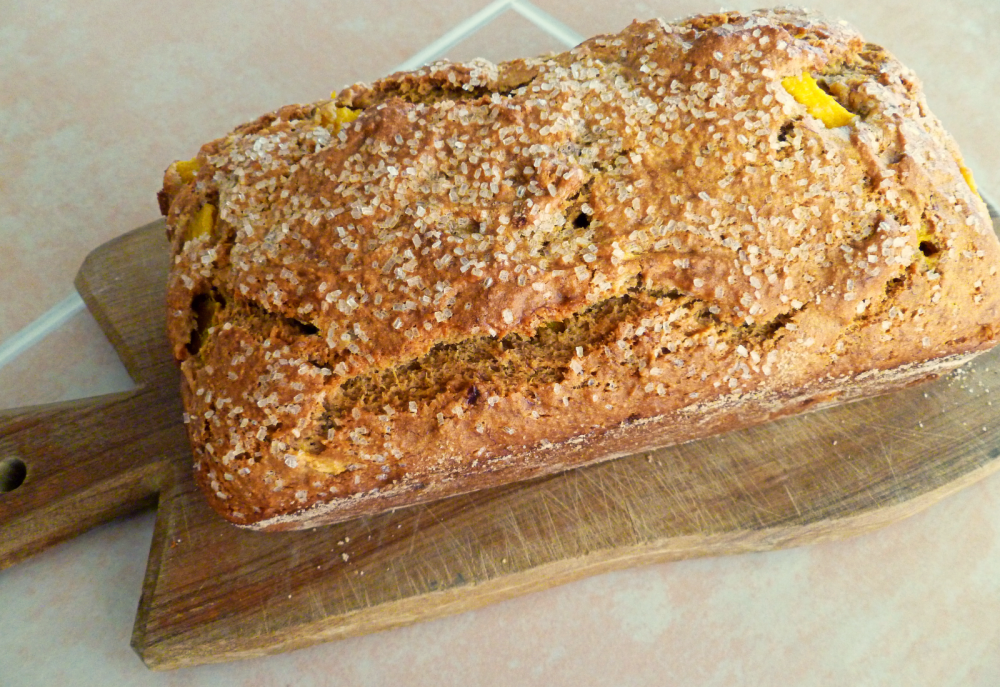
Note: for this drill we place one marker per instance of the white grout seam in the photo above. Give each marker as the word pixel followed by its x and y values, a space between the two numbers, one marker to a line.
pixel 62 311
pixel 51 320
pixel 455 36
pixel 466 28
pixel 547 23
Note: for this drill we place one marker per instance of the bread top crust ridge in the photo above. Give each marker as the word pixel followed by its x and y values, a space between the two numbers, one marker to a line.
pixel 490 257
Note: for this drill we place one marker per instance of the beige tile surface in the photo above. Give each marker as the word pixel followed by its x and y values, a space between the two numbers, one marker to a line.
pixel 97 98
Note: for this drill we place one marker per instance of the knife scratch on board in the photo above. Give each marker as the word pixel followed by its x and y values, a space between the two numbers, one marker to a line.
pixel 317 601
pixel 416 529
pixel 263 618
pixel 185 526
pixel 791 498
pixel 886 452
pixel 917 435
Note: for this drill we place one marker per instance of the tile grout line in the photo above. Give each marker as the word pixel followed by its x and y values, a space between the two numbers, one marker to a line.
pixel 547 23
pixel 456 35
pixel 48 322
pixel 61 312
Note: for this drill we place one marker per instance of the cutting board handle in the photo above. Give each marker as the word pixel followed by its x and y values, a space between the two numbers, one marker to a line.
pixel 67 467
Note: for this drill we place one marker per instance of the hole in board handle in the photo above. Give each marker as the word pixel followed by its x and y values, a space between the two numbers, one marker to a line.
pixel 12 474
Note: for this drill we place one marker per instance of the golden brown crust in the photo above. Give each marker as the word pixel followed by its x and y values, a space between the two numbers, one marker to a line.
pixel 498 271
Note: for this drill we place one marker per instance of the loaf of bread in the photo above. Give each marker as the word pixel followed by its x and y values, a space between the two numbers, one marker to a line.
pixel 474 274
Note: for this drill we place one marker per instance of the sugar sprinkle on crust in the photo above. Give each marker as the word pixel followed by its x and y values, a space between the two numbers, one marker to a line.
pixel 474 273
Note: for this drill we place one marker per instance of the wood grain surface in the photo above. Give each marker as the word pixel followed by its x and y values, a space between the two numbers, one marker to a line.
pixel 216 593
pixel 94 459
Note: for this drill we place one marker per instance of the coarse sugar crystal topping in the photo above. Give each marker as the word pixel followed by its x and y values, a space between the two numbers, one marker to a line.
pixel 665 175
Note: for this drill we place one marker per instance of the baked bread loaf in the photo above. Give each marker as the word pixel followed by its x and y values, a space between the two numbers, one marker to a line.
pixel 474 274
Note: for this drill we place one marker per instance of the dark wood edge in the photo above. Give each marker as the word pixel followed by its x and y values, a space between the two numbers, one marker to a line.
pixel 84 287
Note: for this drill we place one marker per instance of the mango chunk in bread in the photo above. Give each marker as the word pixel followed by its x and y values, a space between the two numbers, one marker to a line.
pixel 818 102
pixel 187 169
pixel 967 175
pixel 201 224
pixel 336 117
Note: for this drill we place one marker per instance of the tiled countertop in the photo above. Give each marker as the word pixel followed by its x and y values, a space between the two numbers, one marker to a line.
pixel 98 98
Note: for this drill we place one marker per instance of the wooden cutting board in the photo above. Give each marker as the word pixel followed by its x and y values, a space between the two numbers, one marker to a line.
pixel 216 593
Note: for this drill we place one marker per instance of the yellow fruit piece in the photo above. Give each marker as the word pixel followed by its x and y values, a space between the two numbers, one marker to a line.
pixel 330 115
pixel 187 169
pixel 818 103
pixel 967 173
pixel 326 464
pixel 202 223
pixel 346 114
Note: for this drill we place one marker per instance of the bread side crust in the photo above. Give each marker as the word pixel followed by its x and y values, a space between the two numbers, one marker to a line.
pixel 691 423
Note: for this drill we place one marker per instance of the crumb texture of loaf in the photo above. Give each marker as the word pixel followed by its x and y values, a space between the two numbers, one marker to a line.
pixel 472 274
